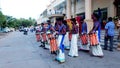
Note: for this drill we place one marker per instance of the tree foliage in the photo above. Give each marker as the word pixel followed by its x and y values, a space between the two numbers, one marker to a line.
pixel 9 21
pixel 2 20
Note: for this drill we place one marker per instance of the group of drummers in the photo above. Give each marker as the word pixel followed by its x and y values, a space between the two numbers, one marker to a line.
pixel 65 35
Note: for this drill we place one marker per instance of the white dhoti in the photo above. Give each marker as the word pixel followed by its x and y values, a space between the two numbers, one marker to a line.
pixel 47 46
pixel 85 47
pixel 97 50
pixel 61 55
pixel 74 47
pixel 66 41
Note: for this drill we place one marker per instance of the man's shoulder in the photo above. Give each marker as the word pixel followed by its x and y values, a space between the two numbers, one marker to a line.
pixel 107 23
pixel 111 22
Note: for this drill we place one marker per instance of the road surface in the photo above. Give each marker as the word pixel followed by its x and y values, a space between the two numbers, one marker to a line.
pixel 22 51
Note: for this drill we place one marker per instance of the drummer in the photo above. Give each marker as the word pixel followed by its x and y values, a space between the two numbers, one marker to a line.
pixel 51 38
pixel 43 34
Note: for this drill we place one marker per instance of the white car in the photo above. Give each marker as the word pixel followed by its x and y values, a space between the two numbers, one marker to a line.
pixel 12 29
pixel 6 29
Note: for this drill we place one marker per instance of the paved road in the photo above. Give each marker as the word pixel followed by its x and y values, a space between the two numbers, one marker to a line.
pixel 21 51
pixel 2 35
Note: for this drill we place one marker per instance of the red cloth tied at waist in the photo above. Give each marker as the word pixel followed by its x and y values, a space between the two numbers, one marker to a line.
pixel 93 39
pixel 78 19
pixel 53 44
pixel 84 39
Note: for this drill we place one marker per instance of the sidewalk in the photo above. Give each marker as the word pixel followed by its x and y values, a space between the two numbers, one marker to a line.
pixel 2 35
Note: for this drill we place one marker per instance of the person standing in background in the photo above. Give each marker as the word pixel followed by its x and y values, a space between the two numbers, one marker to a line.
pixel 109 34
pixel 118 26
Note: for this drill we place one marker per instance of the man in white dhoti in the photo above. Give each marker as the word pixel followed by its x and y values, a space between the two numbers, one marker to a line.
pixel 96 50
pixel 74 47
pixel 61 33
pixel 84 38
pixel 66 40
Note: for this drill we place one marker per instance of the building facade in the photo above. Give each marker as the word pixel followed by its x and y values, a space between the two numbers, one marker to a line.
pixel 73 8
pixel 43 17
pixel 107 7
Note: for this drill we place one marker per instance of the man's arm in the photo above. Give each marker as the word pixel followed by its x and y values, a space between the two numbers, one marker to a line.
pixel 106 29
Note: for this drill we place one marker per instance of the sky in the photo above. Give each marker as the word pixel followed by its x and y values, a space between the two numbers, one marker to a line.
pixel 23 8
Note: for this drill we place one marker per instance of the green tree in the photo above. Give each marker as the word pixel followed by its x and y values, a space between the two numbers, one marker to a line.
pixel 9 21
pixel 2 20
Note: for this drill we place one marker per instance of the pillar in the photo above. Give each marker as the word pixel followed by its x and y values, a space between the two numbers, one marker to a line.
pixel 111 9
pixel 74 10
pixel 88 13
pixel 54 20
pixel 68 8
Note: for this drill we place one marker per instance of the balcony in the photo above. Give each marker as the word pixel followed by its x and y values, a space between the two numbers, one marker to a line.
pixel 55 14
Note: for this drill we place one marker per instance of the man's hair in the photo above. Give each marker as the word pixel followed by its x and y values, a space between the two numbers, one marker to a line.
pixel 74 21
pixel 96 15
pixel 110 19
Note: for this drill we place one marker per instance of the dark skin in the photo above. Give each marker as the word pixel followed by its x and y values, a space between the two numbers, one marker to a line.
pixel 74 26
pixel 96 26
pixel 56 26
pixel 67 27
pixel 63 30
pixel 51 28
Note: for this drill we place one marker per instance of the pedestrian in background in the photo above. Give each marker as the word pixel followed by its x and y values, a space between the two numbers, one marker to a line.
pixel 118 26
pixel 25 31
pixel 109 34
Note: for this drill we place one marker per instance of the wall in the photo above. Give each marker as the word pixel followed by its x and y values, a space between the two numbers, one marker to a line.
pixel 80 6
pixel 104 4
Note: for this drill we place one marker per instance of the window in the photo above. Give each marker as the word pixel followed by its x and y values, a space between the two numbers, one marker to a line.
pixel 78 0
pixel 103 12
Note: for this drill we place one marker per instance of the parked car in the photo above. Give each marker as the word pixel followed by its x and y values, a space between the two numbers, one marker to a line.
pixel 6 30
pixel 22 29
pixel 12 29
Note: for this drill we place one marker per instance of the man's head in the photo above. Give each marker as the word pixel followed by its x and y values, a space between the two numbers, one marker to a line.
pixel 59 20
pixel 110 19
pixel 95 17
pixel 73 21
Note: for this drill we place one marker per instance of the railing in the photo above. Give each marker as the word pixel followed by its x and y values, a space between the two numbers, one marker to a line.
pixel 55 12
pixel 115 38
